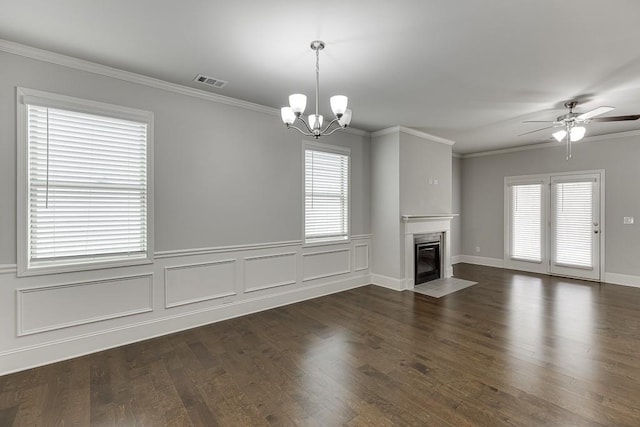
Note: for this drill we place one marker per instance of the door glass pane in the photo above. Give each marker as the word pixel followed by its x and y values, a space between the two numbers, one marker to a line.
pixel 573 220
pixel 526 222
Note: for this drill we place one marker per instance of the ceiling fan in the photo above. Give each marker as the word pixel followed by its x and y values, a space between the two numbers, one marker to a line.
pixel 571 123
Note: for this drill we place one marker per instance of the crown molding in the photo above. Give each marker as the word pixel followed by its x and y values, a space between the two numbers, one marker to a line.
pixel 414 132
pixel 128 76
pixel 588 139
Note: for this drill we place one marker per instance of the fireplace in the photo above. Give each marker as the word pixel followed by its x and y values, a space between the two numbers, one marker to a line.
pixel 420 225
pixel 428 259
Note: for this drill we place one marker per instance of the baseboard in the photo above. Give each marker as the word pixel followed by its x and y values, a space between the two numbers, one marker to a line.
pixel 80 345
pixel 621 279
pixel 477 260
pixel 388 282
pixel 456 259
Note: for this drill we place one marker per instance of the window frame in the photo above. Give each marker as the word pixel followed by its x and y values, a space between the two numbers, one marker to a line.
pixel 26 96
pixel 334 149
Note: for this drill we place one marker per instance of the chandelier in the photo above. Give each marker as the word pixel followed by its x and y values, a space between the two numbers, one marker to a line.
pixel 298 102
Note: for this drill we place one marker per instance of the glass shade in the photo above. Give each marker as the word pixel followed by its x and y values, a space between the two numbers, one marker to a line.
pixel 338 104
pixel 288 116
pixel 577 133
pixel 345 119
pixel 312 121
pixel 298 102
pixel 559 135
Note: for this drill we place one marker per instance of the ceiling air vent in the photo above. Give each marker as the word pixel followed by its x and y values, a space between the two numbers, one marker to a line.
pixel 210 81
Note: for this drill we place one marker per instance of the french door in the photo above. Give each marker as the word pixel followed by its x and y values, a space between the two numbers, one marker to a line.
pixel 553 224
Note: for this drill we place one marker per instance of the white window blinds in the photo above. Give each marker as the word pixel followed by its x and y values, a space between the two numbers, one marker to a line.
pixel 87 187
pixel 526 222
pixel 573 219
pixel 326 196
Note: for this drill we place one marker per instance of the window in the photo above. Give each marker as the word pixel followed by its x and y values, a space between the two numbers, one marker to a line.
pixel 84 184
pixel 526 222
pixel 326 193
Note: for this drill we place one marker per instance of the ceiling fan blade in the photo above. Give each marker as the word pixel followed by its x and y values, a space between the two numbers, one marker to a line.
pixel 537 130
pixel 616 118
pixel 594 112
pixel 539 121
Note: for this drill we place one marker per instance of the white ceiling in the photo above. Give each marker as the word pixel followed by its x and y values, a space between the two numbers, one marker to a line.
pixel 467 70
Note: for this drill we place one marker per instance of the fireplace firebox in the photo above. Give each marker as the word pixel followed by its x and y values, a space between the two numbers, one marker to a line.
pixel 428 262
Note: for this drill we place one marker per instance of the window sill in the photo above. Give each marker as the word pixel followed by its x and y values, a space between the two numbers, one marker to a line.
pixel 55 268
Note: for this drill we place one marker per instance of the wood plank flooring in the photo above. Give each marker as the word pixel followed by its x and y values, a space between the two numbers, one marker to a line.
pixel 515 349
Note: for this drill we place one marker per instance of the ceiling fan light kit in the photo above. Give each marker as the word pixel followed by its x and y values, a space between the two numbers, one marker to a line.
pixel 571 123
pixel 313 124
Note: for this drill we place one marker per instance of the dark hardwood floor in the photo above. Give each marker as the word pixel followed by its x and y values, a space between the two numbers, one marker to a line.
pixel 515 349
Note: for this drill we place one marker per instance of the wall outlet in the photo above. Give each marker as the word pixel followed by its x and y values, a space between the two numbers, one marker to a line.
pixel 628 220
pixel 435 181
pixel 477 248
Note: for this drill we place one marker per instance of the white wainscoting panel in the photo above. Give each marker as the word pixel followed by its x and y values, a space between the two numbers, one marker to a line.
pixel 50 307
pixel 269 271
pixel 317 265
pixel 190 283
pixel 361 253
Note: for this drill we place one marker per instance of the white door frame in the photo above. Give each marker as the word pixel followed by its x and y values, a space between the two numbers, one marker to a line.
pixel 544 267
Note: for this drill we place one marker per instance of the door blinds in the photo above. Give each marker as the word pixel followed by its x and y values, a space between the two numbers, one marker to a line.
pixel 526 222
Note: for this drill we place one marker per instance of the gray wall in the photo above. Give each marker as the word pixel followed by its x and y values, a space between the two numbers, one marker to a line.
pixel 483 204
pixel 422 160
pixel 385 205
pixel 456 205
pixel 223 175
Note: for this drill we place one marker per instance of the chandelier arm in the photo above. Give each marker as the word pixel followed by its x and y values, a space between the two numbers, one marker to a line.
pixel 299 130
pixel 305 124
pixel 328 126
pixel 332 131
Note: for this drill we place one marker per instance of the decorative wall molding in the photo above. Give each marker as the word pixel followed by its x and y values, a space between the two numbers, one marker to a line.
pixel 8 268
pixel 357 249
pixel 552 144
pixel 222 249
pixel 414 132
pixel 128 76
pixel 47 308
pixel 194 284
pixel 271 271
pixel 199 287
pixel 323 262
pixel 43 353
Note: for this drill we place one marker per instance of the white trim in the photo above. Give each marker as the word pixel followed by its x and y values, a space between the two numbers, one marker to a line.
pixel 477 260
pixel 355 247
pixel 334 273
pixel 194 300
pixel 24 97
pixel 388 282
pixel 270 285
pixel 219 249
pixel 552 144
pixel 456 259
pixel 414 132
pixel 8 268
pixel 79 345
pixel 127 76
pixel 327 148
pixel 362 237
pixel 621 279
pixel 19 310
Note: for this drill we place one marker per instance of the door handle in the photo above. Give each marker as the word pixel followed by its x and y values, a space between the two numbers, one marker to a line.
pixel 595 231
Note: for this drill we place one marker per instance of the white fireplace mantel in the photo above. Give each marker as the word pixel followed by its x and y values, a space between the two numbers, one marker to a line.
pixel 422 224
